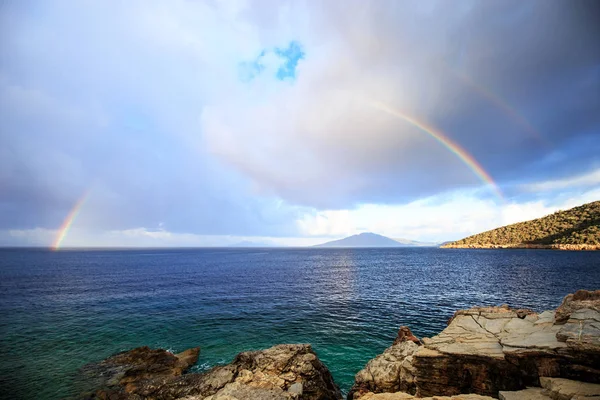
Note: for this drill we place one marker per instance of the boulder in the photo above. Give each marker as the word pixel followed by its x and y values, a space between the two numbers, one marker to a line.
pixel 405 334
pixel 281 372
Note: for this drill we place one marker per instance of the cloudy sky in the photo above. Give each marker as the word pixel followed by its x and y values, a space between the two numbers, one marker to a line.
pixel 190 123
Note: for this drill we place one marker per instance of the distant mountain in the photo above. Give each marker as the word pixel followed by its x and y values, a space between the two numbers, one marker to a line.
pixel 366 239
pixel 574 229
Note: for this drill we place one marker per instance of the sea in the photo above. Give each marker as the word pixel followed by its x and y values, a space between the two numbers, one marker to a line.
pixel 60 310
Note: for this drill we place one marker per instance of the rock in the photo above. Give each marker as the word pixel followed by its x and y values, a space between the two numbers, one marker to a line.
pixel 281 372
pixel 296 388
pixel 406 396
pixel 565 389
pixel 487 350
pixel 576 301
pixel 238 391
pixel 391 371
pixel 128 368
pixel 582 330
pixel 526 394
pixel 404 334
pixel 188 357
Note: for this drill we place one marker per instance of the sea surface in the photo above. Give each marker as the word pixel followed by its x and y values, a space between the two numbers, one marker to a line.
pixel 61 310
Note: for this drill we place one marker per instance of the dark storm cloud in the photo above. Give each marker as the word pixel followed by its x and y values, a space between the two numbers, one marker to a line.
pixel 511 82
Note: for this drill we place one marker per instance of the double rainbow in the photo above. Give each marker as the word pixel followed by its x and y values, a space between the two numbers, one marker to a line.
pixel 439 136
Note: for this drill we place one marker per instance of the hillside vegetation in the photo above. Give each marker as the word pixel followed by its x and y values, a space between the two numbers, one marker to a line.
pixel 574 229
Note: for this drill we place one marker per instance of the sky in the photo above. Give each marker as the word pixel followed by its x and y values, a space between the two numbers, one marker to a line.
pixel 207 123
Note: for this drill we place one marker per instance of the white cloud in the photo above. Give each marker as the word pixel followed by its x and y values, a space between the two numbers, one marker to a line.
pixel 141 237
pixel 587 179
pixel 438 218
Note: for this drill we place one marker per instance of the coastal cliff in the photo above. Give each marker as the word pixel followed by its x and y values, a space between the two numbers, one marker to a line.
pixel 575 229
pixel 483 353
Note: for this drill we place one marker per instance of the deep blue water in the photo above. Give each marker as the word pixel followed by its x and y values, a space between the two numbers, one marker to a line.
pixel 61 310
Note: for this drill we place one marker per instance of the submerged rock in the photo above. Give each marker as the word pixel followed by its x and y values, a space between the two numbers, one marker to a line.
pixel 281 372
pixel 485 350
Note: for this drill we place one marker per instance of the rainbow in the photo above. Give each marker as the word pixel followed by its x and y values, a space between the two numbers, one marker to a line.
pixel 68 221
pixel 502 105
pixel 461 153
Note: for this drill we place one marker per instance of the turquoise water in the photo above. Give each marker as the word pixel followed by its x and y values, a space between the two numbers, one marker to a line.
pixel 61 310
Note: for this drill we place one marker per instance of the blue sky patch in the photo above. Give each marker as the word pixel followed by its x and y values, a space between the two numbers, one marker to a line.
pixel 290 56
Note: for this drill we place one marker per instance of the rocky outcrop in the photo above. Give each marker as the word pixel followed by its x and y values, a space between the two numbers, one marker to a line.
pixel 485 350
pixel 556 389
pixel 404 335
pixel 580 300
pixel 128 369
pixel 282 372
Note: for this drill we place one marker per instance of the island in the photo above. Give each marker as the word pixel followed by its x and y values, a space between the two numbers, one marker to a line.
pixel 369 239
pixel 575 229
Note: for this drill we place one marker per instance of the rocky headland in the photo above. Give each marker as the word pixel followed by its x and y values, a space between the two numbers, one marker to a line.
pixel 556 246
pixel 483 353
pixel 575 229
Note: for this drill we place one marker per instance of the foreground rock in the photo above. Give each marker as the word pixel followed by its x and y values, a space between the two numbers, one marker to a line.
pixel 558 389
pixel 406 396
pixel 485 350
pixel 130 368
pixel 282 372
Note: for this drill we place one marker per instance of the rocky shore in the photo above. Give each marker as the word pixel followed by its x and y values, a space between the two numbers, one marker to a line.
pixel 283 372
pixel 484 353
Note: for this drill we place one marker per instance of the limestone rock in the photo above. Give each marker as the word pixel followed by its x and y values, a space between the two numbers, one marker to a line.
pixel 406 396
pixel 565 389
pixel 391 371
pixel 579 300
pixel 283 372
pixel 525 394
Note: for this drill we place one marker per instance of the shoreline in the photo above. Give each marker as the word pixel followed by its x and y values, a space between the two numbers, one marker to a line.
pixel 482 354
pixel 563 247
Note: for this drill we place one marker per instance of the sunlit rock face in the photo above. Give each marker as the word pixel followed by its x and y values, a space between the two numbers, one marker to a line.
pixel 486 350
